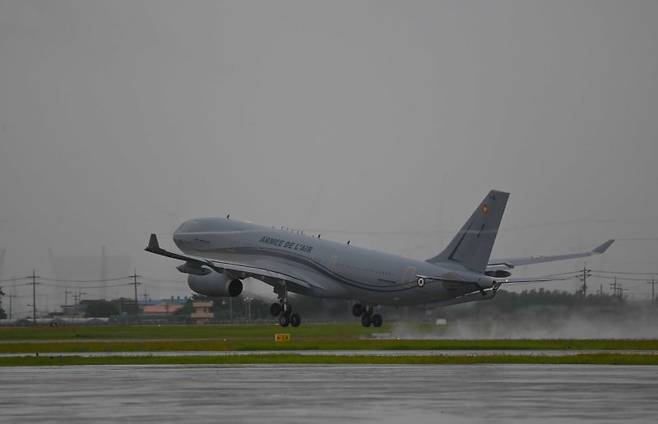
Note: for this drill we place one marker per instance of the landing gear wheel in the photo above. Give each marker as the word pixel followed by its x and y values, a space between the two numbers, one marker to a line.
pixel 275 309
pixel 358 309
pixel 284 320
pixel 366 320
pixel 295 320
pixel 377 320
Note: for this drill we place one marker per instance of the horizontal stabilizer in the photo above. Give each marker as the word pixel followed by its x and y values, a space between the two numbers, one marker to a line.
pixel 509 263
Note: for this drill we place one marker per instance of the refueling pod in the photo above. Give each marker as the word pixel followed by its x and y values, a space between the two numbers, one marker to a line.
pixel 214 284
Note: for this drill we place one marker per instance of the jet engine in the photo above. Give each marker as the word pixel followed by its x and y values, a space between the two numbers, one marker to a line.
pixel 215 284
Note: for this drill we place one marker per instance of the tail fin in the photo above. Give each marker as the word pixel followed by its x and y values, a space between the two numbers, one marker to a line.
pixel 472 245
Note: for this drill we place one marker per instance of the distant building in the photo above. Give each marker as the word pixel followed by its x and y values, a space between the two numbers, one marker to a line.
pixel 71 310
pixel 202 311
pixel 161 309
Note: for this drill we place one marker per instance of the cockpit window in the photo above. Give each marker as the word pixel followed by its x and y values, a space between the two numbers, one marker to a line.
pixel 191 226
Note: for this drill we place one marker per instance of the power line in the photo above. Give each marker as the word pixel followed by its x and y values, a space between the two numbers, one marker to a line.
pixel 87 281
pixel 164 280
pixel 624 273
pixel 572 273
pixel 62 286
pixel 13 279
pixel 619 278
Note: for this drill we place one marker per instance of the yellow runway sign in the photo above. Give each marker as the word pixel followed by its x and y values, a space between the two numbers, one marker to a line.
pixel 281 337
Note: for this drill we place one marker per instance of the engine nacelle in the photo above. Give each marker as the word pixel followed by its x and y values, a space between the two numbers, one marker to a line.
pixel 215 285
pixel 498 273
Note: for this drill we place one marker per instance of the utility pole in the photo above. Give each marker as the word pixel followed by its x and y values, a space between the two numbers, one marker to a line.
pixel 135 284
pixel 76 303
pixel 34 295
pixel 77 306
pixel 653 289
pixel 11 297
pixel 103 273
pixel 617 290
pixel 614 287
pixel 586 273
pixel 66 299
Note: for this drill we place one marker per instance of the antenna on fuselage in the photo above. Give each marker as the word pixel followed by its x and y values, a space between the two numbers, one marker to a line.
pixel 228 216
pixel 318 235
pixel 348 241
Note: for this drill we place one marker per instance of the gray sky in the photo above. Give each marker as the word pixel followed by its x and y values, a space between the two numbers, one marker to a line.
pixel 122 118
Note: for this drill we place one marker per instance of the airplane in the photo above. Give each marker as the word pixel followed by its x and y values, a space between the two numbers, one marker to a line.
pixel 219 253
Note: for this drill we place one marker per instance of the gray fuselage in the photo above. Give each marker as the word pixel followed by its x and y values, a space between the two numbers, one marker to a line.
pixel 330 269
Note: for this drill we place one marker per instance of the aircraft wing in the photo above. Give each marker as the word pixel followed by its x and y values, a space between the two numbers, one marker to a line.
pixel 221 266
pixel 509 263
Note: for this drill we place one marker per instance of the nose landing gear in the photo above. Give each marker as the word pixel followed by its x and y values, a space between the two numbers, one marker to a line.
pixel 367 316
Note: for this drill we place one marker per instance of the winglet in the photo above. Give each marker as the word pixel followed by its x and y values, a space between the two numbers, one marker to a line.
pixel 153 245
pixel 602 248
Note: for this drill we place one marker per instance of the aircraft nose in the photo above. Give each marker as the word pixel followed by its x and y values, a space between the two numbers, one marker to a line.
pixel 179 229
pixel 180 233
pixel 188 226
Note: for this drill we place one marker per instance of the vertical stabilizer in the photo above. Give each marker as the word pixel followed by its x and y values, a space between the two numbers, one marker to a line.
pixel 472 245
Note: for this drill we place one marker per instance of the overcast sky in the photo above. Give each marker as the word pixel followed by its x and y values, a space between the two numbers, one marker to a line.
pixel 122 118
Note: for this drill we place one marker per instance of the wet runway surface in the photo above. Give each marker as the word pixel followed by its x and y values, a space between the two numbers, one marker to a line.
pixel 329 394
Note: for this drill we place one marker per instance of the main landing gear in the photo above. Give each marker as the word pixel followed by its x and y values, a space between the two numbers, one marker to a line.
pixel 367 316
pixel 283 310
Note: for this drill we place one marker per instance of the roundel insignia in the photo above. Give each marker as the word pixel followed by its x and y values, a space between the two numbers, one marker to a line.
pixel 485 210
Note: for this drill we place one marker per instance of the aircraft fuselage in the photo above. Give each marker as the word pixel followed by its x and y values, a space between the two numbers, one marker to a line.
pixel 331 269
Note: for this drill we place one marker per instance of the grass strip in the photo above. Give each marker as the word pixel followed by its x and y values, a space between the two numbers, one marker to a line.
pixel 258 337
pixel 584 359
pixel 210 331
pixel 315 343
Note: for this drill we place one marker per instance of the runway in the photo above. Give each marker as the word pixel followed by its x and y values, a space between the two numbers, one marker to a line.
pixel 329 394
